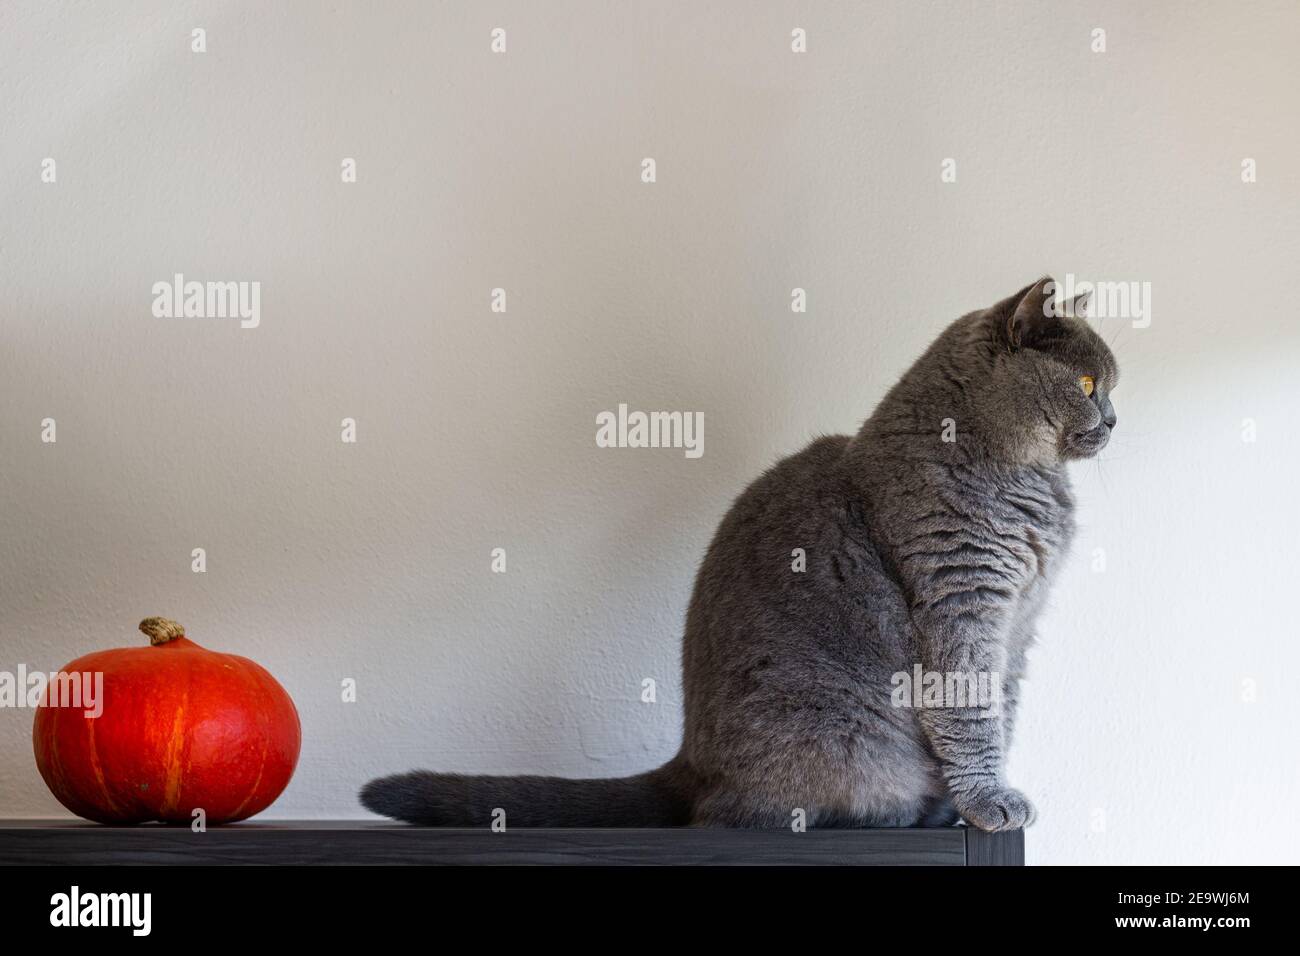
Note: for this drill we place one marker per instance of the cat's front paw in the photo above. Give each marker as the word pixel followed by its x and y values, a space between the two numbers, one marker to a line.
pixel 996 808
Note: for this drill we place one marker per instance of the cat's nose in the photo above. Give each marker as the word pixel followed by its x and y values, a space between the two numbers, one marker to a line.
pixel 1110 420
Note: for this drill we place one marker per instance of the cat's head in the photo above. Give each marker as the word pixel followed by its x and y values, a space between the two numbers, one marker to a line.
pixel 1049 377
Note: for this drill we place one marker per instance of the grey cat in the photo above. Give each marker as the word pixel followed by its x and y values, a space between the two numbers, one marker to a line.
pixel 931 538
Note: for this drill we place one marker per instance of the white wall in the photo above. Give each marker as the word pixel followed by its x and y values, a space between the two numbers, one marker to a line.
pixel 476 430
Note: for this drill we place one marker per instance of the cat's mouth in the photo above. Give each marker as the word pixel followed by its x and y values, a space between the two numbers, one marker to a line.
pixel 1086 444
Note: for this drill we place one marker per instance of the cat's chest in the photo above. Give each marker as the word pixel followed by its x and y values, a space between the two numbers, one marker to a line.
pixel 1035 517
pixel 1003 537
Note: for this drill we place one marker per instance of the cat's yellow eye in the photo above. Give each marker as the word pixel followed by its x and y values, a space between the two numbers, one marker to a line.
pixel 1085 383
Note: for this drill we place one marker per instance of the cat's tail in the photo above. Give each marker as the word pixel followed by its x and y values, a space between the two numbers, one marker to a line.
pixel 655 799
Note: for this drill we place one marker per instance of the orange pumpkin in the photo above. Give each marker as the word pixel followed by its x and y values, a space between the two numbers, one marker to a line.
pixel 182 728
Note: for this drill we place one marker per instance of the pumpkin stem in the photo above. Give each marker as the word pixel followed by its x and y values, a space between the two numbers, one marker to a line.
pixel 161 630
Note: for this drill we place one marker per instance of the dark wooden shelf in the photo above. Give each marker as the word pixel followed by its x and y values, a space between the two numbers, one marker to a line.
pixel 347 842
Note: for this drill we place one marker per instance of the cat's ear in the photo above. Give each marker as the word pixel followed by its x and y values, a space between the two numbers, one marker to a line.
pixel 1077 306
pixel 1031 316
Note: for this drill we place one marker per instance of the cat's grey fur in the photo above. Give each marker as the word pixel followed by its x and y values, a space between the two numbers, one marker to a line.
pixel 919 550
